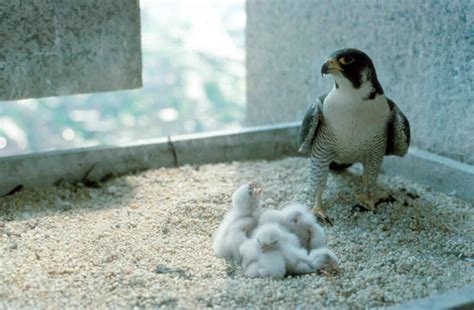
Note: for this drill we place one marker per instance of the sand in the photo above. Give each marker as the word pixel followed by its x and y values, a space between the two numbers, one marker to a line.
pixel 144 240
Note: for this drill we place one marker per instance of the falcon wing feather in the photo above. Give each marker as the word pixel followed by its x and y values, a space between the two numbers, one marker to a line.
pixel 309 125
pixel 398 131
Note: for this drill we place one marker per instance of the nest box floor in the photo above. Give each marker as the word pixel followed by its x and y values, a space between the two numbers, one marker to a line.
pixel 145 240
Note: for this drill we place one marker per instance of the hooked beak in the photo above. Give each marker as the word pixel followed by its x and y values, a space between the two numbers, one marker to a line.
pixel 254 190
pixel 331 66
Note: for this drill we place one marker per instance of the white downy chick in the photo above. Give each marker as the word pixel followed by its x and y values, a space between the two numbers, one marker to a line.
pixel 239 222
pixel 297 259
pixel 324 260
pixel 297 219
pixel 302 223
pixel 262 255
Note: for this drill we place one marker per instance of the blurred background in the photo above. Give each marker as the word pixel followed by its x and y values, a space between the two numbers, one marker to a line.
pixel 193 55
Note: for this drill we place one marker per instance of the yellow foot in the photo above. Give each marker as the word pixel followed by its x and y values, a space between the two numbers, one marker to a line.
pixel 367 201
pixel 319 212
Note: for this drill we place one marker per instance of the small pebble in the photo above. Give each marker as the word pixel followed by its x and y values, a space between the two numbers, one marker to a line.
pixel 12 245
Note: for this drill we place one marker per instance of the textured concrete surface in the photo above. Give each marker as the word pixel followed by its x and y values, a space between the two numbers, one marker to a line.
pixel 53 47
pixel 423 52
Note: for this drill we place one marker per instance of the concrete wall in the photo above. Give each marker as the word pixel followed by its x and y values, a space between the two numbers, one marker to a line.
pixel 423 52
pixel 60 47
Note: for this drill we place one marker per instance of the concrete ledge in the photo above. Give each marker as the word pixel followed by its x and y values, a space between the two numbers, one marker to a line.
pixel 47 168
pixel 441 173
pixel 265 142
pixel 456 299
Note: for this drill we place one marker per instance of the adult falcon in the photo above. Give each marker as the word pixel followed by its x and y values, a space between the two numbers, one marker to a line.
pixel 354 122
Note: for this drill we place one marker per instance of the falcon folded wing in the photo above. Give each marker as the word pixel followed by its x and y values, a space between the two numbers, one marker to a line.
pixel 309 126
pixel 398 131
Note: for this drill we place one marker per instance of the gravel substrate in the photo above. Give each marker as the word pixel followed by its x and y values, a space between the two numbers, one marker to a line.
pixel 145 240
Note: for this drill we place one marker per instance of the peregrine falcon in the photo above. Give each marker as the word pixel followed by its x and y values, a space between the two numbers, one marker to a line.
pixel 354 122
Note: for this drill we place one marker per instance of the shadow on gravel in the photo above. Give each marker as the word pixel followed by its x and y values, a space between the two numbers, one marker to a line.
pixel 36 202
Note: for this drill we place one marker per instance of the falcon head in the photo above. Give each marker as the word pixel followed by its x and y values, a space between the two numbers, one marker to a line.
pixel 247 197
pixel 352 68
pixel 268 237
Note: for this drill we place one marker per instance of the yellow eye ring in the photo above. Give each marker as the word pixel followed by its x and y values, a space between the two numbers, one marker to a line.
pixel 345 60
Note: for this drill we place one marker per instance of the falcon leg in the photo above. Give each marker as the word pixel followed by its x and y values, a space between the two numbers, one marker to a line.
pixel 366 199
pixel 369 179
pixel 319 169
pixel 318 208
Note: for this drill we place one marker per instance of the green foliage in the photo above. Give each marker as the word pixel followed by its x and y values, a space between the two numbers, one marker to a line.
pixel 194 80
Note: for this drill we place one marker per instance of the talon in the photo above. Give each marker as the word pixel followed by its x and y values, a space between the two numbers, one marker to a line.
pixel 325 273
pixel 322 216
pixel 360 207
pixel 367 201
pixel 387 199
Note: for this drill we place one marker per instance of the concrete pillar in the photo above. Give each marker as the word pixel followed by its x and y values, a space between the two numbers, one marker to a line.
pixel 60 47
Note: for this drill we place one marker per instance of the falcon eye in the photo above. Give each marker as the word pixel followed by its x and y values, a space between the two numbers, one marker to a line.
pixel 345 60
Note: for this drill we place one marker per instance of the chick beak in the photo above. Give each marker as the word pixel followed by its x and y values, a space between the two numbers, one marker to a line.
pixel 266 248
pixel 330 66
pixel 258 191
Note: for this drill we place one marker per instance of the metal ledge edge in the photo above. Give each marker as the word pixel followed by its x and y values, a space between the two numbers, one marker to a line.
pixel 459 299
pixel 263 142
